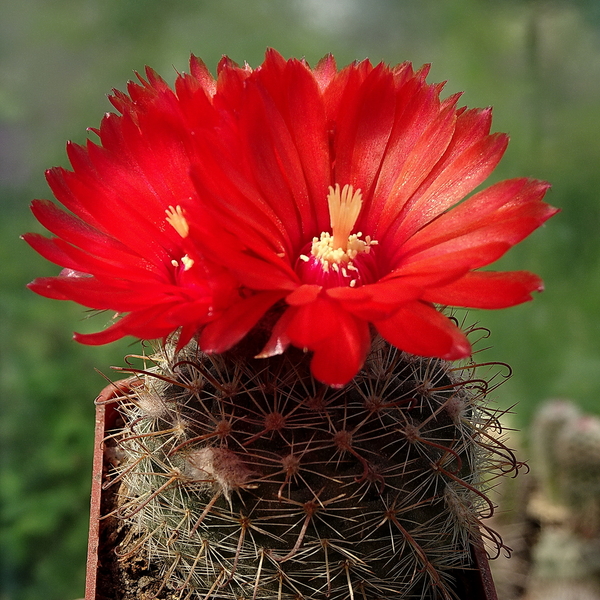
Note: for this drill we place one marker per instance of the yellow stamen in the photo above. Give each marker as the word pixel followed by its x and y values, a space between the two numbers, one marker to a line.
pixel 188 262
pixel 344 208
pixel 177 220
pixel 338 249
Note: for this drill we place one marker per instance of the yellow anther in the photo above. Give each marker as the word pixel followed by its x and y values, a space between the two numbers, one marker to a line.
pixel 177 220
pixel 188 262
pixel 338 249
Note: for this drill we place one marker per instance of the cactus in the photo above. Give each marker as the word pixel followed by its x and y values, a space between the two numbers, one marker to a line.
pixel 566 446
pixel 245 478
pixel 564 558
pixel 549 421
pixel 578 451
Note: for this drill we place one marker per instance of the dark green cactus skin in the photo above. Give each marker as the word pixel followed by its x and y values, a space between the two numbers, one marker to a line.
pixel 245 478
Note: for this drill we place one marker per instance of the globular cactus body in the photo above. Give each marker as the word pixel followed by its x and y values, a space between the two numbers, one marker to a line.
pixel 244 478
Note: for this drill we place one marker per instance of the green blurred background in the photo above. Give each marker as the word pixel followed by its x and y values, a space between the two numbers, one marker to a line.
pixel 537 62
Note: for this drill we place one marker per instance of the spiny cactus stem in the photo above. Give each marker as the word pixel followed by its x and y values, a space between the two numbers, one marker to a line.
pixel 466 485
pixel 427 566
pixel 414 438
pixel 207 510
pixel 497 543
pixel 121 512
pixel 117 478
pixel 145 372
pixel 248 479
pixel 245 525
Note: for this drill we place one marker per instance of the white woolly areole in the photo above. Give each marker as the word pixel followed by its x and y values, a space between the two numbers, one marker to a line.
pixel 151 404
pixel 219 466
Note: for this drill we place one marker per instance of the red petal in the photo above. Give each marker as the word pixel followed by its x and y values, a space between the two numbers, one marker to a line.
pixel 273 161
pixel 110 334
pixel 50 251
pixel 420 329
pixel 339 358
pixel 304 295
pixel 312 323
pixel 325 71
pixel 363 127
pixel 294 94
pixel 512 199
pixel 370 311
pixel 145 325
pixel 448 263
pixel 200 72
pixel 77 232
pixel 236 322
pixel 122 212
pixel 65 255
pixel 449 182
pixel 268 271
pixel 44 287
pixel 117 294
pixel 196 311
pixel 229 194
pixel 279 339
pixel 393 291
pixel 487 289
pixel 422 132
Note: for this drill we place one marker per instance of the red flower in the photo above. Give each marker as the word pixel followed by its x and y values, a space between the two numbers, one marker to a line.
pixel 123 248
pixel 333 194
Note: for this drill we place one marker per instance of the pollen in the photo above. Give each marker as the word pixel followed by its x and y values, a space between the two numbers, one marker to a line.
pixel 188 262
pixel 177 220
pixel 337 250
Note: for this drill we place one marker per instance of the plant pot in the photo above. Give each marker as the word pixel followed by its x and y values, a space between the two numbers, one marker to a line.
pixel 472 583
pixel 106 419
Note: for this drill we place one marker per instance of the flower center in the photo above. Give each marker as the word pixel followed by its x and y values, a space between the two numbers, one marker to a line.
pixel 176 218
pixel 340 258
pixel 186 263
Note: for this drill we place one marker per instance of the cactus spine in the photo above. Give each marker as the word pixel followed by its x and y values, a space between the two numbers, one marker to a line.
pixel 244 478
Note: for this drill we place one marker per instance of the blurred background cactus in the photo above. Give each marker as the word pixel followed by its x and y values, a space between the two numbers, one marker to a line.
pixel 566 466
pixel 557 529
pixel 536 61
pixel 578 452
pixel 550 420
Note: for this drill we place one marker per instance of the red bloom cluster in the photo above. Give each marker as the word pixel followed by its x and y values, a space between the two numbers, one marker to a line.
pixel 333 194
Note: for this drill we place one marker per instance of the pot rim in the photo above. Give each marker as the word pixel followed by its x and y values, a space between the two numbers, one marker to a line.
pixel 106 416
